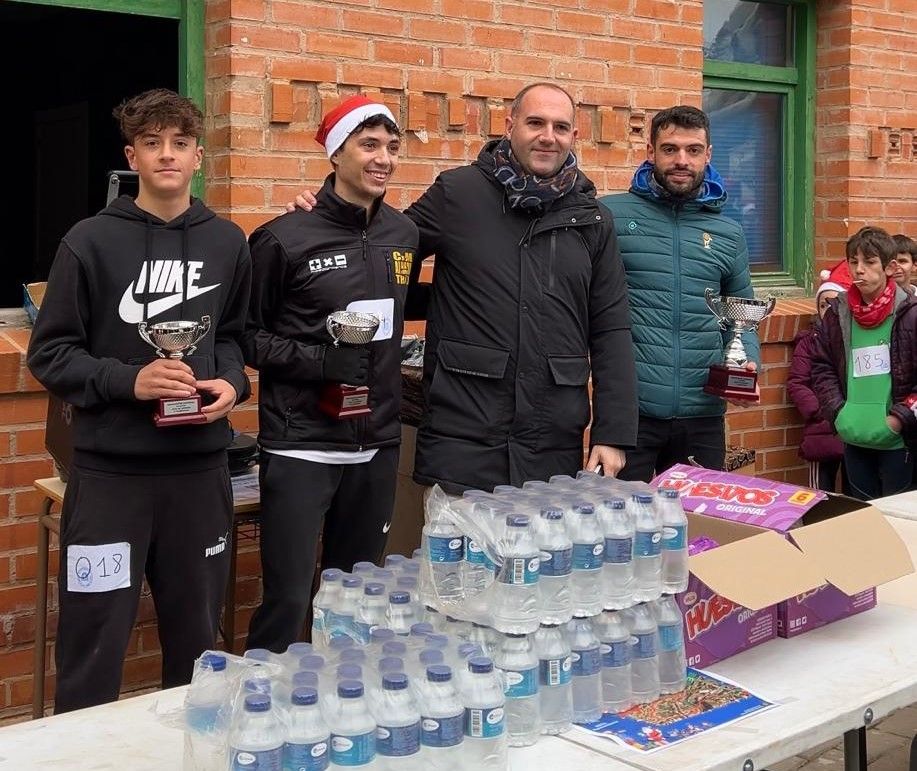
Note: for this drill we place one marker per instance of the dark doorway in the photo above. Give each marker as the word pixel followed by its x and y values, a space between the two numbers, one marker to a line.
pixel 67 69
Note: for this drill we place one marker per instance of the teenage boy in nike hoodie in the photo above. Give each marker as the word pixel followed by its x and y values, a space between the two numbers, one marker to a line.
pixel 142 499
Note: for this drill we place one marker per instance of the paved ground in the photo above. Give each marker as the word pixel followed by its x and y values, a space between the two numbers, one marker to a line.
pixel 888 746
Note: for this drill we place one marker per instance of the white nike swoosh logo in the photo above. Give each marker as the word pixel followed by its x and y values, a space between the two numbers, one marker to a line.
pixel 131 311
pixel 386 526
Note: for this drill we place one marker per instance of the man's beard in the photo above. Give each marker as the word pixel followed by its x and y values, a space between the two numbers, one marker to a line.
pixel 679 193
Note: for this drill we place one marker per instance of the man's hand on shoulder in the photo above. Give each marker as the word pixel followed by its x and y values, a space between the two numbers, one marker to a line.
pixel 611 459
pixel 745 403
pixel 165 379
pixel 224 398
pixel 306 201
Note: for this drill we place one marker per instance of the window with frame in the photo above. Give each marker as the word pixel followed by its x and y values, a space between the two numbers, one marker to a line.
pixel 758 90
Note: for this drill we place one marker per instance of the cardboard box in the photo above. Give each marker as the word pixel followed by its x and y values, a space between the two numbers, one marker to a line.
pixel 32 296
pixel 787 545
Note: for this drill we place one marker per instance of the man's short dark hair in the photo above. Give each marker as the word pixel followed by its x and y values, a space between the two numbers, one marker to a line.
pixel 872 242
pixel 376 120
pixel 157 109
pixel 517 100
pixel 681 116
pixel 905 243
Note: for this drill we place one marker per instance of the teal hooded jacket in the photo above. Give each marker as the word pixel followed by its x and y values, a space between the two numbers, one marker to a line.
pixel 672 252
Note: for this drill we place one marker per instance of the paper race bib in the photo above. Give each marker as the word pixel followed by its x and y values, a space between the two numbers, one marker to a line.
pixel 384 310
pixel 871 360
pixel 102 568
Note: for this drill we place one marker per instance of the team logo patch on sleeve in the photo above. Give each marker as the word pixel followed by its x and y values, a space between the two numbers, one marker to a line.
pixel 321 264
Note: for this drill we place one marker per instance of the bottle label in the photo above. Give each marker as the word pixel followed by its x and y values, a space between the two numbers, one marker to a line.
pixel 619 550
pixel 445 549
pixel 521 684
pixel 644 645
pixel 318 620
pixel 363 630
pixel 257 760
pixel 615 654
pixel 520 570
pixel 556 563
pixel 586 662
pixel 674 536
pixel 670 637
pixel 648 543
pixel 441 731
pixel 475 555
pixel 306 757
pixel 353 750
pixel 398 741
pixel 484 723
pixel 554 671
pixel 588 556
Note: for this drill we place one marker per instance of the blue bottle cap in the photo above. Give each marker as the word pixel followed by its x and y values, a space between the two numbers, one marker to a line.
pixel 394 648
pixel 332 575
pixel 383 574
pixel 391 664
pixel 374 589
pixel 501 489
pixel 304 696
pixel 213 661
pixel 353 656
pixel 437 641
pixel 339 643
pixel 359 568
pixel 381 635
pixel 351 582
pixel 394 560
pixel 644 498
pixel 304 679
pixel 349 672
pixel 257 685
pixel 417 554
pixel 668 492
pixel 257 702
pixel 615 503
pixel 480 664
pixel 399 598
pixel 394 681
pixel 468 649
pixel 429 656
pixel 410 567
pixel 350 689
pixel 421 629
pixel 313 661
pixel 406 582
pixel 584 507
pixel 552 514
pixel 299 649
pixel 439 673
pixel 257 654
pixel 517 520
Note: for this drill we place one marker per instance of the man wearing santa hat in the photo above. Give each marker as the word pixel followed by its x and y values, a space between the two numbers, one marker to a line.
pixel 324 470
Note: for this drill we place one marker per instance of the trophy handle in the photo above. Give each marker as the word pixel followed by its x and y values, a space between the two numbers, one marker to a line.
pixel 145 336
pixel 202 329
pixel 712 299
pixel 330 327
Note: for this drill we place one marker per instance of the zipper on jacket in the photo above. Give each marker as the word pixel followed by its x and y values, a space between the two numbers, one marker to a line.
pixel 551 258
pixel 287 414
pixel 676 313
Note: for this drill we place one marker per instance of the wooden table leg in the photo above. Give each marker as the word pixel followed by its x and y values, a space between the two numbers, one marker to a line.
pixel 41 611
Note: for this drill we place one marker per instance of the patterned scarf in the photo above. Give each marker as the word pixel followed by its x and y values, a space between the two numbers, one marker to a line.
pixel 526 191
pixel 872 314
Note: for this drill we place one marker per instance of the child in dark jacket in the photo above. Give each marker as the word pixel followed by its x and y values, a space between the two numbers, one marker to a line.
pixel 820 446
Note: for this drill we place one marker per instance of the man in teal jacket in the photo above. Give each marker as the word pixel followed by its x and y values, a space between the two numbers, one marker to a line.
pixel 675 242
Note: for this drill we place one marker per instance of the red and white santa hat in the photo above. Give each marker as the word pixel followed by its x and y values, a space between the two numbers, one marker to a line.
pixel 837 279
pixel 339 124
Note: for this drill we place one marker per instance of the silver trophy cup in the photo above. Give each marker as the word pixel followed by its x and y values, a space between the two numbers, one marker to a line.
pixel 175 340
pixel 731 380
pixel 351 328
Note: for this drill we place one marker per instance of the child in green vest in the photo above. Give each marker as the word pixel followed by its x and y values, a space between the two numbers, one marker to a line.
pixel 865 369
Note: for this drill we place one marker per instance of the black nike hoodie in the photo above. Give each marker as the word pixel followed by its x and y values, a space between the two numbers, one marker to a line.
pixel 111 272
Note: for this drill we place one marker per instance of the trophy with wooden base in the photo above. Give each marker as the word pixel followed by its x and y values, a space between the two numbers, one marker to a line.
pixel 731 379
pixel 340 400
pixel 175 340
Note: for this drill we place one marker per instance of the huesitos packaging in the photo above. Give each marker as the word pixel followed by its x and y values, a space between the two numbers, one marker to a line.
pixel 814 556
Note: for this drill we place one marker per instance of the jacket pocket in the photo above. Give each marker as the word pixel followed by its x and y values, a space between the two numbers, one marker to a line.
pixel 469 396
pixel 566 408
pixel 863 425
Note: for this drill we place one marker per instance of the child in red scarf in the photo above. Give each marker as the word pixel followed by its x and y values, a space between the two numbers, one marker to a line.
pixel 865 369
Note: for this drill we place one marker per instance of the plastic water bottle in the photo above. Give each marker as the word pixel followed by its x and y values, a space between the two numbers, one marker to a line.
pixel 443 547
pixel 364 569
pixel 672 664
pixel 647 548
pixel 441 721
pixel 257 740
pixel 345 611
pixel 517 659
pixel 674 541
pixel 329 592
pixel 401 614
pixel 398 725
pixel 306 745
pixel 371 611
pixel 304 679
pixel 644 660
pixel 554 694
pixel 353 730
pixel 206 694
pixel 379 636
pixel 515 595
pixel 614 642
pixel 555 568
pixel 484 636
pixel 485 719
pixel 477 569
pixel 390 664
pixel 618 568
pixel 588 558
pixel 586 668
pixel 409 584
pixel 394 561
